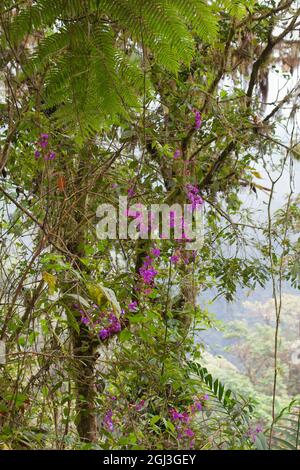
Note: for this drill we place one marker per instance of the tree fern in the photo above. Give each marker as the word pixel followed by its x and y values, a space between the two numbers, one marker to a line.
pixel 87 74
pixel 199 15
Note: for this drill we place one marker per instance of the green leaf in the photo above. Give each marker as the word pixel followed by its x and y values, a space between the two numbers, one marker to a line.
pixel 261 442
pixel 101 295
pixel 154 419
pixel 125 335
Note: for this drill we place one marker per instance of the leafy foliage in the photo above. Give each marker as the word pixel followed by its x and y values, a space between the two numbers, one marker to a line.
pixel 84 68
pixel 286 432
pixel 234 425
pixel 160 101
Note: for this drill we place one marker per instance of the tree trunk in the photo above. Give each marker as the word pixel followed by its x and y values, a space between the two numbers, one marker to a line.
pixel 85 359
pixel 84 348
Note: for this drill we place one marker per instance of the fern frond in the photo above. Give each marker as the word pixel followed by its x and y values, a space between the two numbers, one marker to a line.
pixel 286 431
pixel 87 75
pixel 33 18
pixel 200 16
pixel 229 413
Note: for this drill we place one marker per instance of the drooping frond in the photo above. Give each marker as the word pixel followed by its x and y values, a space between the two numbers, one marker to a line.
pixel 229 414
pixel 88 74
pixel 199 15
pixel 286 432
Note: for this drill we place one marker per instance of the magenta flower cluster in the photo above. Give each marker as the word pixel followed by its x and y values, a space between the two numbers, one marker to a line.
pixel 155 252
pixel 131 192
pixel 254 431
pixel 85 318
pixel 114 326
pixel 109 418
pixel 105 324
pixel 182 420
pixel 193 196
pixel 183 417
pixel 198 119
pixel 174 259
pixel 44 150
pixel 133 306
pixel 140 405
pixel 147 272
pixel 108 421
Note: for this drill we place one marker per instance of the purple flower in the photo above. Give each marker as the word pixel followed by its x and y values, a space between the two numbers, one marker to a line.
pixel 112 325
pixel 155 252
pixel 132 306
pixel 253 431
pixel 177 154
pixel 52 155
pixel 85 320
pixel 148 274
pixel 37 154
pixel 43 143
pixel 174 259
pixel 108 422
pixel 44 136
pixel 139 405
pixel 115 327
pixel 131 192
pixel 194 196
pixel 192 188
pixel 104 333
pixel 147 261
pixel 186 417
pixel 175 414
pixel 198 405
pixel 189 432
pixel 198 120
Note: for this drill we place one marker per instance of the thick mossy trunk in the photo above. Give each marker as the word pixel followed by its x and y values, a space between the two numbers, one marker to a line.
pixel 85 359
pixel 84 348
pixel 85 356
